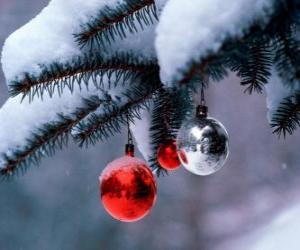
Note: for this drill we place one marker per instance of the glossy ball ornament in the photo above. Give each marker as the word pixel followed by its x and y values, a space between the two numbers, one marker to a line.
pixel 128 189
pixel 202 144
pixel 167 155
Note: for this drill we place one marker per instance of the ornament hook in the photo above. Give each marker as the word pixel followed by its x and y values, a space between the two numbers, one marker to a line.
pixel 202 108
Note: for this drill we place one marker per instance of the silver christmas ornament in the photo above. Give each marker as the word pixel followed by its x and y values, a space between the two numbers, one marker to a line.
pixel 202 144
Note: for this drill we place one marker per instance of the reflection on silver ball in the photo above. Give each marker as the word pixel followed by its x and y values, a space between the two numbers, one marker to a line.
pixel 202 145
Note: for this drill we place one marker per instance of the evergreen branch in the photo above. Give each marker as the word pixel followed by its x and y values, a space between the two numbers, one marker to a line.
pixel 216 70
pixel 82 69
pixel 171 107
pixel 160 130
pixel 213 67
pixel 256 69
pixel 46 140
pixel 287 117
pixel 250 58
pixel 116 22
pixel 284 19
pixel 100 125
pixel 287 58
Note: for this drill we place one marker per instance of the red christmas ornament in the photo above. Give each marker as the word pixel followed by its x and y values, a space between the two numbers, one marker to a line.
pixel 167 155
pixel 128 188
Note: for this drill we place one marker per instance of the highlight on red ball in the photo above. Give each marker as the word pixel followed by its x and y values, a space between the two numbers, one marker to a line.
pixel 167 155
pixel 128 189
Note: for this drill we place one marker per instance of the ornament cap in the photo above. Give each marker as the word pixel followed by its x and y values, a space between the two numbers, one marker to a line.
pixel 202 111
pixel 129 149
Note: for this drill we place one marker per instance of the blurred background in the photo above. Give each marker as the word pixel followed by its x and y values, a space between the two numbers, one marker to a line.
pixel 251 204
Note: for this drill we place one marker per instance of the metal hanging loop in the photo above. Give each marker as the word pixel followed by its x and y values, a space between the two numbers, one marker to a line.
pixel 202 109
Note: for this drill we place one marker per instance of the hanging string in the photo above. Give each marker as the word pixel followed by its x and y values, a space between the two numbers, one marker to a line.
pixel 202 95
pixel 202 108
pixel 129 148
pixel 204 83
pixel 129 134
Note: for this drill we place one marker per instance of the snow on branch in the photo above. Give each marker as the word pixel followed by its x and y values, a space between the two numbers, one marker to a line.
pixel 130 16
pixel 85 69
pixel 48 37
pixel 30 131
pixel 45 49
pixel 46 140
pixel 42 55
pixel 201 28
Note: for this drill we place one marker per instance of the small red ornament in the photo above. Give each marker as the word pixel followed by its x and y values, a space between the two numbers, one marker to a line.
pixel 167 155
pixel 128 188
